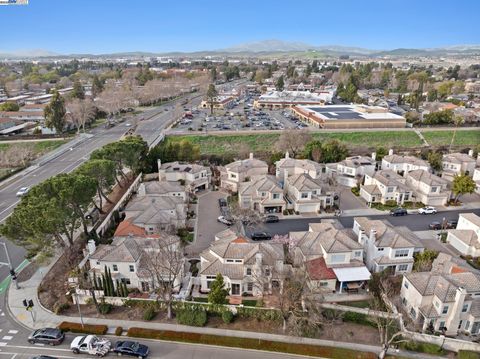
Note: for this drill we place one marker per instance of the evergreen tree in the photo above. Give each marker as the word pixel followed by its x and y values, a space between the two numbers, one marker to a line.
pixel 97 86
pixel 218 293
pixel 77 91
pixel 280 83
pixel 55 113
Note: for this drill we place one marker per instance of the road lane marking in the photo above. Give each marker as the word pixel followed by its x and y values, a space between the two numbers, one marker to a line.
pixel 12 331
pixel 14 355
pixel 2 344
pixel 7 337
pixel 37 348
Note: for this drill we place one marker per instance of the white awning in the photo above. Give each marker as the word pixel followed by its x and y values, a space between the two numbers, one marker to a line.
pixel 352 274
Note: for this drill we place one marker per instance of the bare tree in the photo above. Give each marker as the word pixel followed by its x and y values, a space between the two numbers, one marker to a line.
pixel 164 261
pixel 244 217
pixel 293 141
pixel 81 112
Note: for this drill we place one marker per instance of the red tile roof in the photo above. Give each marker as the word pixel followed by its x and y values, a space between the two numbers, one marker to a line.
pixel 240 240
pixel 317 270
pixel 126 228
pixel 456 269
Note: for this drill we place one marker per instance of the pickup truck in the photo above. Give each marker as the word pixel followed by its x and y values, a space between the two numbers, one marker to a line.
pixel 90 344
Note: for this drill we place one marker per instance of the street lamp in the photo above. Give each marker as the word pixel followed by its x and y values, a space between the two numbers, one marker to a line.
pixel 9 263
pixel 78 304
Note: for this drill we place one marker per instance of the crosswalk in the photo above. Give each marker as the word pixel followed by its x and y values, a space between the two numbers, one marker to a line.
pixel 7 336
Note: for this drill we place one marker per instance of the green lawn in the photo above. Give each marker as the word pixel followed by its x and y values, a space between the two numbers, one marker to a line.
pixel 462 138
pixel 357 304
pixel 265 142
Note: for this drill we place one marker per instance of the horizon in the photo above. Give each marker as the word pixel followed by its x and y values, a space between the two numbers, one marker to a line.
pixel 106 27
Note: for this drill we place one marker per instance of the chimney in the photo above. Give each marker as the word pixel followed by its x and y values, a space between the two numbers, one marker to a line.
pixel 159 164
pixel 390 152
pixel 287 155
pixel 373 235
pixel 374 156
pixel 470 153
pixel 251 156
pixel 91 246
pixel 258 258
pixel 285 175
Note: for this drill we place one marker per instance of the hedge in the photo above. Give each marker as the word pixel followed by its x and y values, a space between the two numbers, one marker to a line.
pixel 428 348
pixel 250 343
pixel 86 329
pixel 466 354
pixel 118 331
pixel 192 316
pixel 358 318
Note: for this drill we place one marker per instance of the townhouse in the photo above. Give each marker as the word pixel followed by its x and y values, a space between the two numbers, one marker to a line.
pixel 305 194
pixel 291 166
pixel 127 258
pixel 262 194
pixel 466 237
pixel 476 178
pixel 428 188
pixel 384 186
pixel 194 177
pixel 386 247
pixel 331 257
pixel 351 171
pixel 403 164
pixel 240 171
pixel 456 163
pixel 247 267
pixel 446 299
pixel 162 189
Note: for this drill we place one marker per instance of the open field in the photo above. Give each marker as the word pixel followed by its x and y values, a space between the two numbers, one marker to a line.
pixel 462 138
pixel 37 147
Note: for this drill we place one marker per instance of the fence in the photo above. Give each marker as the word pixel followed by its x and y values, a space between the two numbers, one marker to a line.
pixel 108 219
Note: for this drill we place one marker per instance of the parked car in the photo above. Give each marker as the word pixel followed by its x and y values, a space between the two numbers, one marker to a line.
pixel 427 210
pixel 271 219
pixel 261 236
pixel 224 220
pixel 51 336
pixel 23 191
pixel 90 344
pixel 451 224
pixel 435 225
pixel 222 202
pixel 398 212
pixel 131 348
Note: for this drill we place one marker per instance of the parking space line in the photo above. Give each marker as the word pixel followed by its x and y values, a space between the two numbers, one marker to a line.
pixel 12 331
pixel 7 337
pixel 2 344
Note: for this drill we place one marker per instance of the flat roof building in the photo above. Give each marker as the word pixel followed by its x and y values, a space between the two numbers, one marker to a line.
pixel 348 116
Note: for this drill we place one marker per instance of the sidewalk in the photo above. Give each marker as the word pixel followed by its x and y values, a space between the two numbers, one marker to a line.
pixel 45 318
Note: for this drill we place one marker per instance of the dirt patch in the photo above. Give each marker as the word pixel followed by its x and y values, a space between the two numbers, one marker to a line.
pixel 27 272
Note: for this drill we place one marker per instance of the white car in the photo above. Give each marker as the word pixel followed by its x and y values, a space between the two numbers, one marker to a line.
pixel 90 344
pixel 23 191
pixel 224 220
pixel 427 210
pixel 128 124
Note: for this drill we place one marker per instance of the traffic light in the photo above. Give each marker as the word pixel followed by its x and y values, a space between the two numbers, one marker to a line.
pixel 25 303
pixel 30 303
pixel 12 272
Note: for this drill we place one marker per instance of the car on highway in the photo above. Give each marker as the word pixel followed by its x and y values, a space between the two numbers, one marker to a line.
pixel 261 236
pixel 427 210
pixel 222 202
pixel 435 225
pixel 50 336
pixel 398 212
pixel 127 347
pixel 224 220
pixel 451 224
pixel 23 191
pixel 271 219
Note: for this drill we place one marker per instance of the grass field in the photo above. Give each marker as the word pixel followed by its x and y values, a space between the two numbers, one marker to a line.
pixel 39 148
pixel 265 142
pixel 462 138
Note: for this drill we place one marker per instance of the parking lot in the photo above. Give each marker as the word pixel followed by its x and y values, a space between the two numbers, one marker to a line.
pixel 239 116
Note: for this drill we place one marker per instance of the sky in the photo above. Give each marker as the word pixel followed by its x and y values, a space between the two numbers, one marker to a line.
pixel 106 26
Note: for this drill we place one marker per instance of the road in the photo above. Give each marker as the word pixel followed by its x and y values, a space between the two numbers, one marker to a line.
pixel 414 222
pixel 150 128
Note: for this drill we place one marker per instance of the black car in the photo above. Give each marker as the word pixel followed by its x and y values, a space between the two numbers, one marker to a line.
pixel 222 202
pixel 398 212
pixel 131 348
pixel 271 219
pixel 451 224
pixel 51 336
pixel 435 225
pixel 261 236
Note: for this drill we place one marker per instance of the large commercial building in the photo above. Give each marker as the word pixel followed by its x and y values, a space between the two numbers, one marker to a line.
pixel 285 99
pixel 348 116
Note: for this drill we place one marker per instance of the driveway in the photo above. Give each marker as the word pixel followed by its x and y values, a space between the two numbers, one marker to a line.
pixel 207 225
pixel 348 200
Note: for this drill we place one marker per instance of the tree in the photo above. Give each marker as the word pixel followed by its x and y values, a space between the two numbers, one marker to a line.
pixel 435 160
pixel 457 120
pixel 165 263
pixel 213 73
pixel 432 95
pixel 423 260
pixel 77 91
pixel 55 113
pixel 293 141
pixel 81 112
pixel 444 117
pixel 329 152
pixel 211 96
pixel 280 84
pixel 218 294
pixel 9 106
pixel 462 184
pixel 169 151
pixel 244 216
pixel 380 153
pixel 103 172
pixel 97 86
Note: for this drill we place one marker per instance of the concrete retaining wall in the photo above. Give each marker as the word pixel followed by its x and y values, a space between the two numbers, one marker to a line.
pixel 447 343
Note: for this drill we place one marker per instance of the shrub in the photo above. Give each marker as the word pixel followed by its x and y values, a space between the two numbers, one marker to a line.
pixel 59 308
pixel 358 318
pixel 422 347
pixel 465 354
pixel 285 212
pixel 118 331
pixel 192 316
pixel 356 191
pixel 149 313
pixel 227 316
pixel 86 329
pixel 104 308
pixel 249 302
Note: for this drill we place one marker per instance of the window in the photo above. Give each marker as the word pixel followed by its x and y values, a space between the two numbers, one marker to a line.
pixel 98 263
pixel 323 284
pixel 464 308
pixel 131 267
pixel 314 192
pixel 249 287
pixel 336 258
pixel 404 301
pixel 413 313
pixel 380 249
pixel 263 194
pixel 276 196
pixel 249 271
pixel 402 267
pixel 460 324
pixel 467 325
pixel 441 326
pixel 390 189
pixel 229 261
pixel 304 194
pixel 115 268
pixel 358 253
pixel 445 309
pixel 401 253
pixel 125 280
pixel 405 284
pixel 267 271
pixel 233 175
